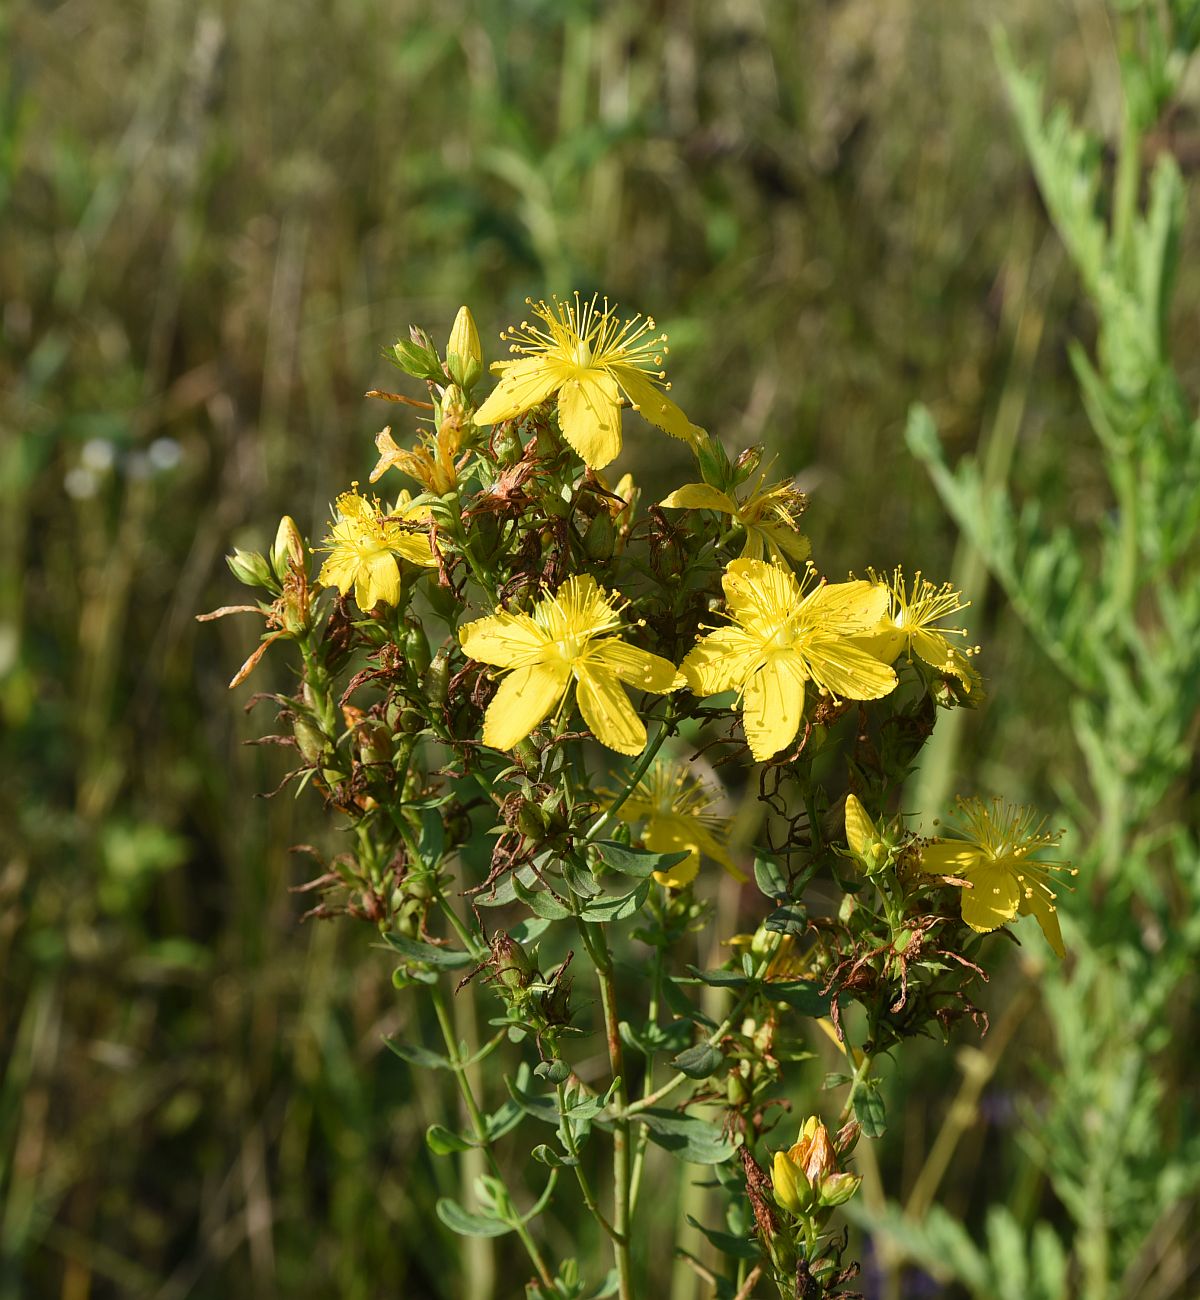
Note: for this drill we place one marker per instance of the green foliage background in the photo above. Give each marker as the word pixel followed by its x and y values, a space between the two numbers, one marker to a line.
pixel 212 217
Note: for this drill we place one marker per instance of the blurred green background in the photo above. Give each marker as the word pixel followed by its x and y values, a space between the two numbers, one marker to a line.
pixel 214 216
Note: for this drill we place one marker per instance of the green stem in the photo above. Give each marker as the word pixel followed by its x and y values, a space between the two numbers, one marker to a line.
pixel 862 1073
pixel 479 1125
pixel 598 950
pixel 641 767
pixel 712 1040
pixel 643 1134
pixel 585 1186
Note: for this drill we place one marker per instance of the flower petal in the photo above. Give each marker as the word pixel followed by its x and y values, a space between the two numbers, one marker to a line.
pixel 652 403
pixel 526 697
pixel 773 705
pixel 720 661
pixel 377 579
pixel 849 608
pixel 503 639
pixel 523 385
pixel 950 858
pixel 700 496
pixel 839 666
pixel 992 899
pixel 638 668
pixel 1037 904
pixel 666 833
pixel 607 711
pixel 589 413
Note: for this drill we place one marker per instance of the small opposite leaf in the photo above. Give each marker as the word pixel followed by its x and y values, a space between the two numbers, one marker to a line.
pixel 686 1137
pixel 637 862
pixel 467 1224
pixel 870 1113
pixel 616 909
pixel 698 1062
pixel 448 958
pixel 442 1142
pixel 769 877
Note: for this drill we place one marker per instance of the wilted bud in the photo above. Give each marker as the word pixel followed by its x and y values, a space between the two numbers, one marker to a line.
pixel 251 569
pixel 532 821
pixel 416 360
pixel 747 462
pixel 415 648
pixel 512 964
pixel 507 445
pixel 464 355
pixel 600 537
pixel 837 1189
pixel 847 1138
pixel 288 551
pixel 437 679
pixel 310 740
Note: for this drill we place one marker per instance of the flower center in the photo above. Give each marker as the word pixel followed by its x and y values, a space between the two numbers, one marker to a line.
pixel 783 637
pixel 581 354
pixel 569 648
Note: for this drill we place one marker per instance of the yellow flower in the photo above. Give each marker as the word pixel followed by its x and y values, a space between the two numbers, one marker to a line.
pixel 908 628
pixel 568 637
pixel 781 634
pixel 432 464
pixel 993 858
pixel 768 514
pixel 364 543
pixel 807 1175
pixel 588 356
pixel 675 807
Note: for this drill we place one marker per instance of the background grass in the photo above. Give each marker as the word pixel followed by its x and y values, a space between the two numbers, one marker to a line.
pixel 214 216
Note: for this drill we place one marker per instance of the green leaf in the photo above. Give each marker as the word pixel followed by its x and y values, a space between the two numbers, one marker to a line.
pixel 552 1071
pixel 526 931
pixel 447 958
pixel 541 902
pixel 580 879
pixel 506 889
pixel 721 979
pixel 432 841
pixel 616 909
pixel 637 862
pixel 503 1120
pixel 467 1224
pixel 548 1156
pixel 787 920
pixel 804 996
pixel 727 1243
pixel 686 1137
pixel 769 877
pixel 414 1054
pixel 699 1062
pixel 870 1113
pixel 442 1142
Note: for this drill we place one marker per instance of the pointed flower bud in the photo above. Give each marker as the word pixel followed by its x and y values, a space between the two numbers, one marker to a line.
pixel 464 355
pixel 837 1189
pixel 288 549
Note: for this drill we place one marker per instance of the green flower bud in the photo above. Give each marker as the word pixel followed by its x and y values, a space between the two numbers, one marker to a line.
pixel 837 1189
pixel 251 569
pixel 464 355
pixel 418 361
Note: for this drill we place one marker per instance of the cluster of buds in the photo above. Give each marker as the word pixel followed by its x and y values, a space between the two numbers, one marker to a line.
pixel 808 1176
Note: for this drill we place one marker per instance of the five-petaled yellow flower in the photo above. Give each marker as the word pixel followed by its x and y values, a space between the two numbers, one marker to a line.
pixel 675 806
pixel 587 355
pixel 569 637
pixel 365 542
pixel 768 514
pixel 908 627
pixel 781 634
pixel 993 857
